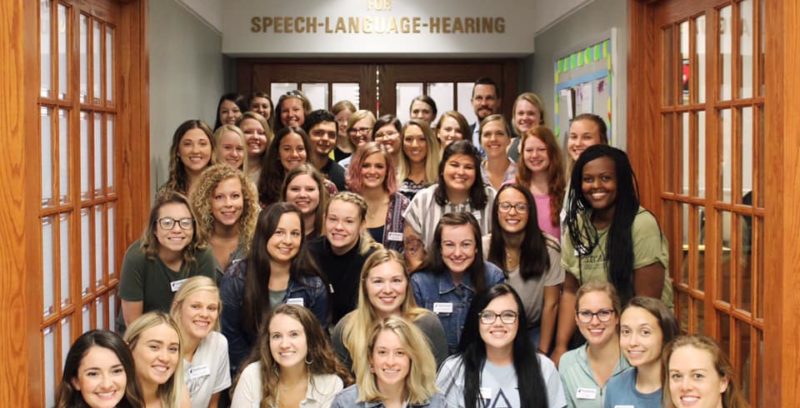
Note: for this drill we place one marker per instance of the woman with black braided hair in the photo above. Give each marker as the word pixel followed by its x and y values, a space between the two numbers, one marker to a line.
pixel 609 236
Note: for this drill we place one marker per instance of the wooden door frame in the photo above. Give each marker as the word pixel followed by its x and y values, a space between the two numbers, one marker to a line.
pixel 20 227
pixel 782 220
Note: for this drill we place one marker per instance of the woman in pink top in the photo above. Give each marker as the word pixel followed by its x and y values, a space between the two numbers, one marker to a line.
pixel 541 169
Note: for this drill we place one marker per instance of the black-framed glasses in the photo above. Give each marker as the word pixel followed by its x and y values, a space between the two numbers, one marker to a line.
pixel 506 207
pixel 360 130
pixel 168 223
pixel 506 316
pixel 603 315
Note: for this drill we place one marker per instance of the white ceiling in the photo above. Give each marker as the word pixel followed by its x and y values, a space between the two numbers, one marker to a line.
pixel 548 12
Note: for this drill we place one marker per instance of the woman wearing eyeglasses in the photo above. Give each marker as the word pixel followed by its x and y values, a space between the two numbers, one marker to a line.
pixel 496 364
pixel 530 258
pixel 387 135
pixel 169 252
pixel 585 371
pixel 359 132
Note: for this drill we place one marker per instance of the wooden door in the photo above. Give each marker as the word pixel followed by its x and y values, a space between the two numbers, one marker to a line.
pixel 697 139
pixel 77 156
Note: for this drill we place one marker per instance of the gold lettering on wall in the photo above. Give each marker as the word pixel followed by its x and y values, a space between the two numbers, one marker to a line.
pixel 377 24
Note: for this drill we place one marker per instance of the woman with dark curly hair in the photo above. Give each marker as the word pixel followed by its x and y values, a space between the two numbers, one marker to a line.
pixel 227 209
pixel 293 365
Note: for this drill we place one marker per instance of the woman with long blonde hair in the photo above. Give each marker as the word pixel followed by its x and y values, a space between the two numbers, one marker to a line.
pixel 384 291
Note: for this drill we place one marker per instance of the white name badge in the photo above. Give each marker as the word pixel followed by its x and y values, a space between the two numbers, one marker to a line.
pixel 330 288
pixel 199 371
pixel 586 393
pixel 442 308
pixel 486 393
pixel 176 285
pixel 295 301
pixel 395 236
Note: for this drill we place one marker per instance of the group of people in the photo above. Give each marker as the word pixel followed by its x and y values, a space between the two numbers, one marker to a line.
pixel 315 258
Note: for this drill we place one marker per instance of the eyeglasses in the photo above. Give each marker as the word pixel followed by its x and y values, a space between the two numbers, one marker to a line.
pixel 168 223
pixel 506 316
pixel 506 207
pixel 360 130
pixel 381 135
pixel 603 315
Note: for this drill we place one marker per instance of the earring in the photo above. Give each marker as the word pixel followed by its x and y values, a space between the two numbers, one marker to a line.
pixel 308 362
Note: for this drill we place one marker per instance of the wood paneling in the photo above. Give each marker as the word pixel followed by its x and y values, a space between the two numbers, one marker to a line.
pixel 18 331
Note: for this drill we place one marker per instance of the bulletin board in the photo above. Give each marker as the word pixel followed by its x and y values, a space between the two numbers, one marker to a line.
pixel 584 84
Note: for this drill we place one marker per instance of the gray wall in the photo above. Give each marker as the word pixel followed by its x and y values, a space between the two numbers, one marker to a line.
pixel 187 76
pixel 587 25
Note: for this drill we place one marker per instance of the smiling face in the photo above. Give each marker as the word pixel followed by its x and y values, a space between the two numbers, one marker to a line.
pixel 323 138
pixel 459 247
pixel 694 381
pixel 386 286
pixel 597 333
pixel 292 113
pixel 484 100
pixel 534 155
pixel 582 135
pixel 449 131
pixel 199 313
pixel 342 225
pixel 599 183
pixel 389 138
pixel 231 149
pixel 512 221
pixel 175 240
pixel 227 202
pixel 422 111
pixel 526 116
pixel 194 150
pixel 287 341
pixel 498 335
pixel 261 106
pixel 229 112
pixel 292 151
pixel 341 121
pixel 255 136
pixel 284 244
pixel 495 139
pixel 303 192
pixel 361 132
pixel 640 337
pixel 156 354
pixel 101 378
pixel 415 146
pixel 389 360
pixel 373 171
pixel 459 173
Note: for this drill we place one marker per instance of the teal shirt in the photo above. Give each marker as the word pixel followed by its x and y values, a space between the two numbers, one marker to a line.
pixel 577 374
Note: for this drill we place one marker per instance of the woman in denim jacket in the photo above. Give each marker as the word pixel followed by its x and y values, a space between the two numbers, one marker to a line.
pixel 455 274
pixel 278 270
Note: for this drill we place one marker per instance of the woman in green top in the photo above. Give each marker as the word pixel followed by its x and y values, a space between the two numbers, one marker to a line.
pixel 170 251
pixel 609 236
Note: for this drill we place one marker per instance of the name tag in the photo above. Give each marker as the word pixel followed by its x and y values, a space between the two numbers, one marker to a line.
pixel 295 301
pixel 176 285
pixel 198 372
pixel 486 393
pixel 442 308
pixel 586 393
pixel 395 236
pixel 330 288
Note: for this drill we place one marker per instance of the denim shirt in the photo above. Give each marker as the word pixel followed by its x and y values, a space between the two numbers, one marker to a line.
pixel 348 398
pixel 430 289
pixel 310 290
